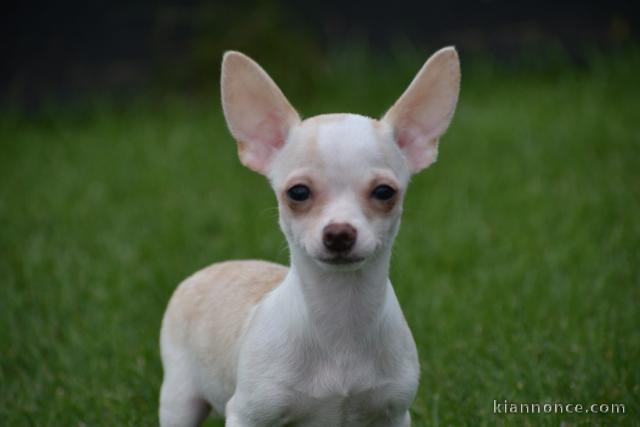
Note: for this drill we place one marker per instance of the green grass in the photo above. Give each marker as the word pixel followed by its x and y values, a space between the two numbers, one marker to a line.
pixel 518 263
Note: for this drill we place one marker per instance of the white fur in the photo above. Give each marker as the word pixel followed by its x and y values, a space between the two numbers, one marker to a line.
pixel 318 344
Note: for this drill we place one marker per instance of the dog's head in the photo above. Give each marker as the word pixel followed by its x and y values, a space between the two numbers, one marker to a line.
pixel 340 179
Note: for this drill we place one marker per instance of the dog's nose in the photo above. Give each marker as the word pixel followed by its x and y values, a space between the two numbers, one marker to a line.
pixel 339 237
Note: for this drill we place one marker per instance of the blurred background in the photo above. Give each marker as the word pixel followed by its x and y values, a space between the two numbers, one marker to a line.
pixel 61 51
pixel 518 261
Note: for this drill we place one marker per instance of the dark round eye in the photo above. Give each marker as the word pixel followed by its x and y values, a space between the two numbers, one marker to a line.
pixel 383 192
pixel 299 193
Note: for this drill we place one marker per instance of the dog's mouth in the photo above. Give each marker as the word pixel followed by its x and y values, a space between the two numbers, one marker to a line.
pixel 341 260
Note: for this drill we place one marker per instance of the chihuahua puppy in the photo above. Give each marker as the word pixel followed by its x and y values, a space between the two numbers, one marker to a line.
pixel 323 342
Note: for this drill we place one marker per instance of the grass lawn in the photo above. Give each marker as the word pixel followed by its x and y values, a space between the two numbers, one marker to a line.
pixel 518 263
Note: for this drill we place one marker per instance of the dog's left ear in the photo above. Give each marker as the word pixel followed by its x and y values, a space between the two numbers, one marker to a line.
pixel 425 109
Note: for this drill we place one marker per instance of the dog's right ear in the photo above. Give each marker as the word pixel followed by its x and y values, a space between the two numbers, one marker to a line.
pixel 257 113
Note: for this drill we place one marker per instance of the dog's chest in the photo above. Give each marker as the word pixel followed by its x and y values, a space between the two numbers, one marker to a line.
pixel 362 408
pixel 344 394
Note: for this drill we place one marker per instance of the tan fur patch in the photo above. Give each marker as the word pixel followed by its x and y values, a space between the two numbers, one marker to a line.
pixel 219 298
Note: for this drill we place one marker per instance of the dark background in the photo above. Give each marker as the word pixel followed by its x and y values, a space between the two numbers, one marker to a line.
pixel 63 50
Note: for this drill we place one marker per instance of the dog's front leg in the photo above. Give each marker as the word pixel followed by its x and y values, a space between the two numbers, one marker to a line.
pixel 233 420
pixel 401 419
pixel 404 420
pixel 234 417
pixel 261 413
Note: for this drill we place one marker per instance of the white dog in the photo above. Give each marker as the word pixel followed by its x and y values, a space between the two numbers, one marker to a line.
pixel 323 342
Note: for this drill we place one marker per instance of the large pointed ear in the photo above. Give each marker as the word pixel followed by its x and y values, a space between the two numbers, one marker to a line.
pixel 425 109
pixel 257 113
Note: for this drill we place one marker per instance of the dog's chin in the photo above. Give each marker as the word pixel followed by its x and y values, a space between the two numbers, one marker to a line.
pixel 340 262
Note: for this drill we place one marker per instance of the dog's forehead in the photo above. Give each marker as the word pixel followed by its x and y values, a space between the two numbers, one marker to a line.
pixel 345 135
pixel 342 144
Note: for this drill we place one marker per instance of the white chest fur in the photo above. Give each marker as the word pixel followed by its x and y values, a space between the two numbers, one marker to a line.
pixel 346 362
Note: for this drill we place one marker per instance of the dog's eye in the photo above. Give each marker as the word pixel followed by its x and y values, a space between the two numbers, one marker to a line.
pixel 299 193
pixel 383 192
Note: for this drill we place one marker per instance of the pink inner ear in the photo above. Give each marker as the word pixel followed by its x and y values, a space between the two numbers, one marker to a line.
pixel 267 136
pixel 420 149
pixel 407 131
pixel 268 131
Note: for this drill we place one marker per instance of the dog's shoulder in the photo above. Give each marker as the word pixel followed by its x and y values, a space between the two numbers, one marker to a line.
pixel 222 292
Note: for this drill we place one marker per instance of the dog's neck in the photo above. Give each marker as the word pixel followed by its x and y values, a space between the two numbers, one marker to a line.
pixel 342 304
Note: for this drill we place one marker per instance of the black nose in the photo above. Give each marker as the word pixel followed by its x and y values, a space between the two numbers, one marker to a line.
pixel 339 237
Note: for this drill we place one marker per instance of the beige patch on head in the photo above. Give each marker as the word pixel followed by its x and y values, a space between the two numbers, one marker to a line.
pixel 305 153
pixel 378 125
